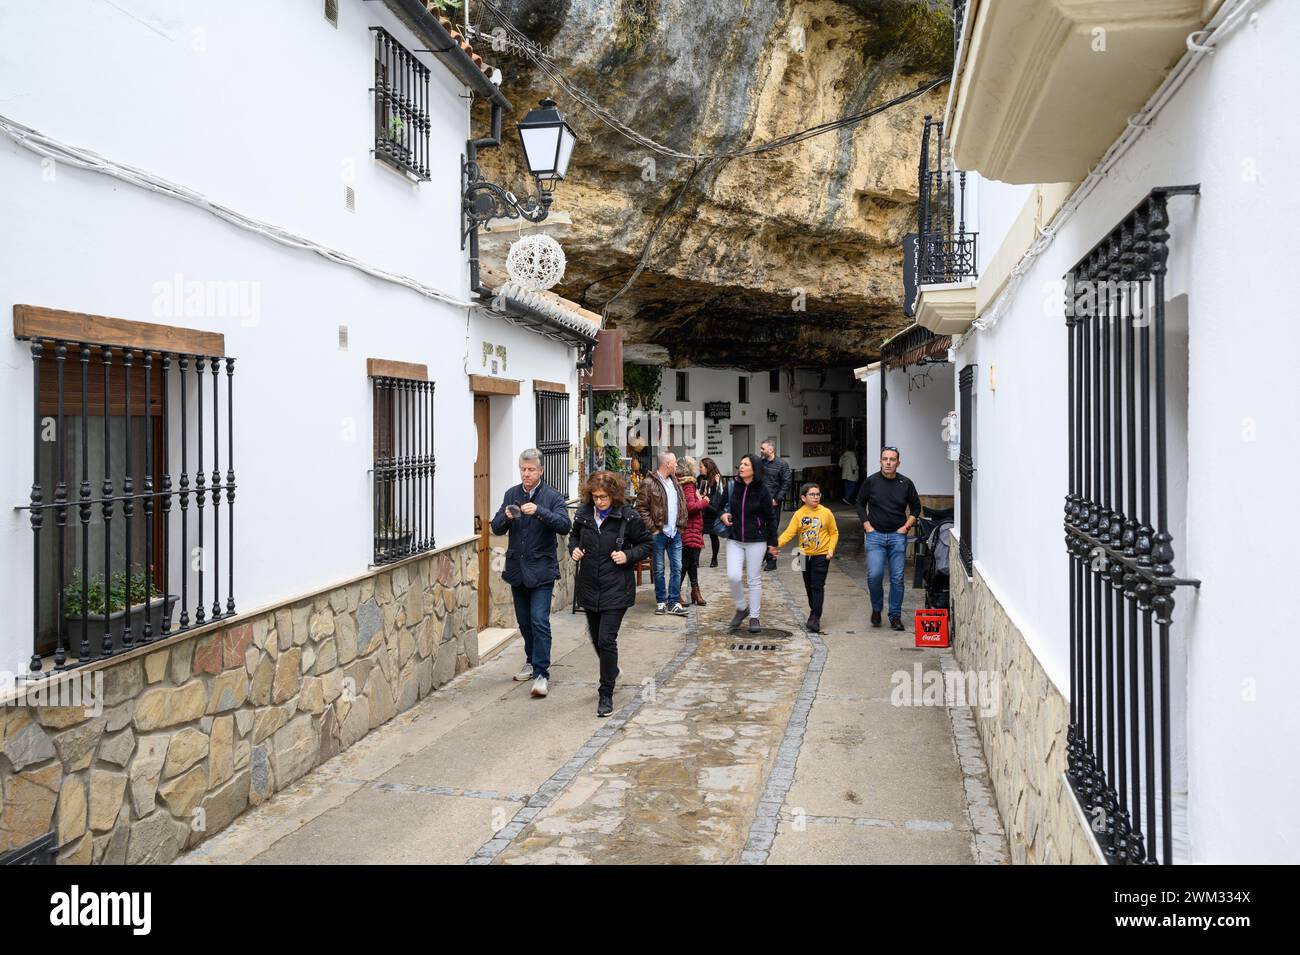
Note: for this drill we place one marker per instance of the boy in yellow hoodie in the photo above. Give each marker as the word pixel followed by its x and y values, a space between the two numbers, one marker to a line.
pixel 818 536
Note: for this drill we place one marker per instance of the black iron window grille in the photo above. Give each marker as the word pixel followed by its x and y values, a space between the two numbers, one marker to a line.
pixel 966 467
pixel 401 106
pixel 115 532
pixel 553 437
pixel 1121 565
pixel 404 467
pixel 945 249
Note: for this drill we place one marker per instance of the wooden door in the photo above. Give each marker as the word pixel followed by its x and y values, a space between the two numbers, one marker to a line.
pixel 483 506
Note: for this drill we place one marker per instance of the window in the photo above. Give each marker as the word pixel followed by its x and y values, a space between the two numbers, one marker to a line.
pixel 774 380
pixel 553 437
pixel 966 467
pixel 1124 385
pixel 404 460
pixel 683 387
pixel 401 106
pixel 744 390
pixel 127 519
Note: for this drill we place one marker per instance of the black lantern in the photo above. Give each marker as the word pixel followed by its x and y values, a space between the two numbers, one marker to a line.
pixel 548 144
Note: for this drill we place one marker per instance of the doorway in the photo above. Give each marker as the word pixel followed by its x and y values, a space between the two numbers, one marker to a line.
pixel 742 442
pixel 482 506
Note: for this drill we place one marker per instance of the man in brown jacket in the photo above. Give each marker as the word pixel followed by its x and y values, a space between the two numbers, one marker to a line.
pixel 662 506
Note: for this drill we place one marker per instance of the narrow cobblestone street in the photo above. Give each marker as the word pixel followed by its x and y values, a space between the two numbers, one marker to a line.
pixel 790 753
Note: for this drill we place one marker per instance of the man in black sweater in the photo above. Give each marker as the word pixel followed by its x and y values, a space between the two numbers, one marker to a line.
pixel 883 501
pixel 776 478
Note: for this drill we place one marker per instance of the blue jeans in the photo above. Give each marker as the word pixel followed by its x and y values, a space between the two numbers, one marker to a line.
pixel 893 547
pixel 668 591
pixel 850 490
pixel 533 612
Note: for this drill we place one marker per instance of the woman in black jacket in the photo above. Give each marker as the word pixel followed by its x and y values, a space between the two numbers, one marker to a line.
pixel 608 540
pixel 751 523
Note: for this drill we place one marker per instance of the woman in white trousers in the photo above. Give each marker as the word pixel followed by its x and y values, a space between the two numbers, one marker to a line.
pixel 753 534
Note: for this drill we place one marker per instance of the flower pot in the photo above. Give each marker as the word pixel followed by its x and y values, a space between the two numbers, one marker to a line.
pixel 392 546
pixel 158 609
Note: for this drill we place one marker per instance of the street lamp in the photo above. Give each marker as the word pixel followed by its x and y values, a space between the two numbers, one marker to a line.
pixel 547 142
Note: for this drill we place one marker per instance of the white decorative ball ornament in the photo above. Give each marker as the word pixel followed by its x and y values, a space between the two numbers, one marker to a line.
pixel 535 262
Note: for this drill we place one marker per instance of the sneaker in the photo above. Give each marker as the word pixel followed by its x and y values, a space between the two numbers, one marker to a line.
pixel 677 610
pixel 738 619
pixel 606 705
pixel 875 618
pixel 539 687
pixel 525 674
pixel 754 625
pixel 659 609
pixel 896 623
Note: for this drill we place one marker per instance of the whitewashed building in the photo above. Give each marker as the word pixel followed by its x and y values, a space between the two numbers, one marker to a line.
pixel 1127 387
pixel 724 413
pixel 250 213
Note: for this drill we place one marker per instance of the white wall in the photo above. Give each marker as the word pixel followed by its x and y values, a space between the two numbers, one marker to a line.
pixel 917 399
pixel 809 398
pixel 1225 131
pixel 215 120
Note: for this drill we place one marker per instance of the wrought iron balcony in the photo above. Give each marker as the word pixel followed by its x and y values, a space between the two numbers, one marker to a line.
pixel 946 251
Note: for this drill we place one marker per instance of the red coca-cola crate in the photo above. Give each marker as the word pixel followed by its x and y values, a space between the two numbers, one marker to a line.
pixel 932 628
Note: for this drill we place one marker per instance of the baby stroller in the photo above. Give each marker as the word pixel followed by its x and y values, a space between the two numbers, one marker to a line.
pixel 934 527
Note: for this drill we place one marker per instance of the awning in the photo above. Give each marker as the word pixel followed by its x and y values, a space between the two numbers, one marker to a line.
pixel 911 345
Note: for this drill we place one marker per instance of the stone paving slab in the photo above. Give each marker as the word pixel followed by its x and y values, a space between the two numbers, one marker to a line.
pixel 714 755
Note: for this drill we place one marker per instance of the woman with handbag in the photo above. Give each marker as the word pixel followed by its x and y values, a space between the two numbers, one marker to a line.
pixel 693 532
pixel 608 540
pixel 751 524
pixel 714 488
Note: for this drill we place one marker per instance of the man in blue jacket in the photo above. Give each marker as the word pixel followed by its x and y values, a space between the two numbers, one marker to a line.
pixel 532 513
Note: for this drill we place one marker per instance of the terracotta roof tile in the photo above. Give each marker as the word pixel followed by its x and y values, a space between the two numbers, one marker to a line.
pixel 458 38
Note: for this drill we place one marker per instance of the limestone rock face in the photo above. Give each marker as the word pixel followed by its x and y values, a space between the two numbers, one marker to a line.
pixel 790 257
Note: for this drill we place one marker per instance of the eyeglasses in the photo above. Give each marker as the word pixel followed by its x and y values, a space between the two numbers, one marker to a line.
pixel 889 447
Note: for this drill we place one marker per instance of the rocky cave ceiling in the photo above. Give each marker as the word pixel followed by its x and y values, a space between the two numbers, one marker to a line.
pixel 826 216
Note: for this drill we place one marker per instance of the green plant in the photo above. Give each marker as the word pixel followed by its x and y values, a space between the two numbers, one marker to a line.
pixel 393 530
pixel 116 596
pixel 641 384
pixel 613 460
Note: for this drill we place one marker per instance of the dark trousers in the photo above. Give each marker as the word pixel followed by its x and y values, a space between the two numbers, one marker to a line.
pixel 533 613
pixel 770 562
pixel 691 564
pixel 814 582
pixel 602 627
pixel 714 538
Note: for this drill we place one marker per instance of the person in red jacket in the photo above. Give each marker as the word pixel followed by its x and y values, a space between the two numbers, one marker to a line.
pixel 693 532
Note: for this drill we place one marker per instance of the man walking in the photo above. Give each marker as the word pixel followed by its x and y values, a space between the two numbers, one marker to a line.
pixel 849 474
pixel 882 503
pixel 776 479
pixel 662 506
pixel 532 513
